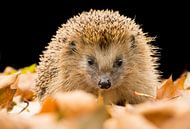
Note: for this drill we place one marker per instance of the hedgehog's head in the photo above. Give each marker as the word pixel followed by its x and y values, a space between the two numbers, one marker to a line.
pixel 105 61
pixel 103 48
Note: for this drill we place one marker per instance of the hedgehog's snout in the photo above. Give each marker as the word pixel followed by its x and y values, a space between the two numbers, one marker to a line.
pixel 104 82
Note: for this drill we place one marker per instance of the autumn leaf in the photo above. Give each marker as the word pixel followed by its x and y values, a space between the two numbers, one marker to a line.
pixel 93 120
pixel 75 103
pixel 7 90
pixel 9 70
pixel 25 86
pixel 181 81
pixel 6 97
pixel 31 69
pixel 7 80
pixel 128 121
pixel 179 122
pixel 168 90
pixel 49 105
pixel 13 122
pixel 157 112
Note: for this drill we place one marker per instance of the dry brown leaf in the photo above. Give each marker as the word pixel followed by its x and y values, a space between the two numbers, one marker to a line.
pixel 7 80
pixel 47 121
pixel 161 111
pixel 13 122
pixel 92 120
pixel 168 90
pixel 6 97
pixel 128 121
pixel 75 103
pixel 7 90
pixel 25 87
pixel 157 113
pixel 180 81
pixel 82 107
pixel 116 111
pixel 180 122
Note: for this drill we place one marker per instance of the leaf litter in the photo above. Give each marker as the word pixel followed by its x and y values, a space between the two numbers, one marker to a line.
pixel 20 109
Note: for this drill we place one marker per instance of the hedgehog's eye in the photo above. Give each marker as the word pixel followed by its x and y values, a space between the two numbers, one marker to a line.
pixel 72 45
pixel 118 63
pixel 90 61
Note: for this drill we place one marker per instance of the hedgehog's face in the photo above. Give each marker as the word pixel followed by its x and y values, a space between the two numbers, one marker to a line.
pixel 103 70
pixel 104 64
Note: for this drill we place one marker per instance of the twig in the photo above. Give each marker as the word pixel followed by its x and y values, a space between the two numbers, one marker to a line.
pixel 27 104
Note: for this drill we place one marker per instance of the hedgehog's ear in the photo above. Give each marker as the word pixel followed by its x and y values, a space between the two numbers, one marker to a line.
pixel 72 46
pixel 132 41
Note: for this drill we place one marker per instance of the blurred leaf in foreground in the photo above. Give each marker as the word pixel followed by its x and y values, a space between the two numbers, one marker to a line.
pixel 7 90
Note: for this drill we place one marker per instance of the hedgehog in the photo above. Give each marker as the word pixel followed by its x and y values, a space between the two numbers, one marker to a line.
pixel 100 51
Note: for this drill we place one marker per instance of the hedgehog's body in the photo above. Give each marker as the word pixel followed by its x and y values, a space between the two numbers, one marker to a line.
pixel 99 50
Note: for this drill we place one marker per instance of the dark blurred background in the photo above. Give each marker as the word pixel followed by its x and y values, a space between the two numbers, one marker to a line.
pixel 27 27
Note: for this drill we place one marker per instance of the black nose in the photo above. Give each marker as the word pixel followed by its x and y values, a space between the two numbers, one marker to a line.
pixel 104 83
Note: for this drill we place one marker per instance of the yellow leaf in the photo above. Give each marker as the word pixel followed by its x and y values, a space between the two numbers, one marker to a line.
pixel 31 69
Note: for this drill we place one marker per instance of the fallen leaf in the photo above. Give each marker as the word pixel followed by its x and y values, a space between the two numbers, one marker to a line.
pixel 6 97
pixel 7 80
pixel 180 122
pixel 128 121
pixel 49 105
pixel 30 69
pixel 168 90
pixel 46 121
pixel 92 120
pixel 161 111
pixel 25 86
pixel 116 111
pixel 157 113
pixel 75 103
pixel 181 81
pixel 9 70
pixel 13 122
pixel 7 90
